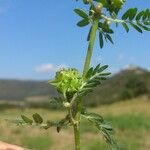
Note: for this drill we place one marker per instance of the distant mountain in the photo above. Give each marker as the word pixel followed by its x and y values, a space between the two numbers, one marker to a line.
pixel 129 82
pixel 21 90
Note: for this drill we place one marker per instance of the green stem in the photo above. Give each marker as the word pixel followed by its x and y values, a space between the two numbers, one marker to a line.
pixel 77 136
pixel 86 67
pixel 90 47
pixel 113 20
pixel 77 126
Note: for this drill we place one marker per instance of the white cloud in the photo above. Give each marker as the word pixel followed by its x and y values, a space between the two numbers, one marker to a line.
pixel 45 68
pixel 49 68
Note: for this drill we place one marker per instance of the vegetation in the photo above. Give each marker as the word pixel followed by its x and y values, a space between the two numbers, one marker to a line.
pixel 134 116
pixel 72 86
pixel 119 82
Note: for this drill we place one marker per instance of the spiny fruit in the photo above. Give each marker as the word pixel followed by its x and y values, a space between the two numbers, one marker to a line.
pixel 118 3
pixel 67 80
pixel 113 5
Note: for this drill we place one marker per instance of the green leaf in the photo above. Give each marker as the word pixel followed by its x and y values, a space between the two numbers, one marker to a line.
pixel 130 13
pixel 140 14
pixel 146 15
pixel 107 136
pixel 81 13
pixel 96 69
pixel 136 27
pixel 125 27
pixel 102 68
pixel 108 30
pixel 94 77
pixel 89 73
pixel 89 34
pixel 101 41
pixel 105 28
pixel 144 27
pixel 83 23
pixel 93 117
pixel 37 118
pixel 126 14
pixel 26 119
pixel 105 129
pixel 147 23
pixel 109 38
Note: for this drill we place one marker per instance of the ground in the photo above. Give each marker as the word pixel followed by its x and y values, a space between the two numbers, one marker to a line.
pixel 130 120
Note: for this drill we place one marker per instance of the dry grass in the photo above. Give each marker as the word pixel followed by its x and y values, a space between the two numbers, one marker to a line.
pixel 130 119
pixel 140 105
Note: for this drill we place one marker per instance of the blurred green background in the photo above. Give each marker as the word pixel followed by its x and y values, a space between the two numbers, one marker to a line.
pixel 123 100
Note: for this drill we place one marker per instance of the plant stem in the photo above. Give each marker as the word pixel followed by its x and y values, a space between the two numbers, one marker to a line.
pixel 77 127
pixel 90 47
pixel 77 136
pixel 113 20
pixel 86 67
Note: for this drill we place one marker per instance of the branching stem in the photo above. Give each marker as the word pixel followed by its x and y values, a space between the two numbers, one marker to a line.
pixel 86 68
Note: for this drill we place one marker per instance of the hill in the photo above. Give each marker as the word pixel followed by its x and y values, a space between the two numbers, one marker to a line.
pixel 21 90
pixel 128 83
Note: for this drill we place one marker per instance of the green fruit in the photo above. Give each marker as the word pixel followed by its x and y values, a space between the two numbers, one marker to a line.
pixel 113 5
pixel 104 2
pixel 67 80
pixel 99 7
pixel 118 3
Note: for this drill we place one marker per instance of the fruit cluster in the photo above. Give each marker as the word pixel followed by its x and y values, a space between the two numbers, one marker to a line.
pixel 67 80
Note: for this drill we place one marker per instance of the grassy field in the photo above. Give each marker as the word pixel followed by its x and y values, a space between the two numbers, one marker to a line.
pixel 131 120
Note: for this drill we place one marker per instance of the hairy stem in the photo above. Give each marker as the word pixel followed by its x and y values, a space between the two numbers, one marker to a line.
pixel 77 136
pixel 112 20
pixel 86 67
pixel 77 126
pixel 121 21
pixel 90 47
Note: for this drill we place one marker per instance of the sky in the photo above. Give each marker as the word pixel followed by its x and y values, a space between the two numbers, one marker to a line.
pixel 38 37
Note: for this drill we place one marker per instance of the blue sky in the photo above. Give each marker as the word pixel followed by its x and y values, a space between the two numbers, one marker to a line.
pixel 37 37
